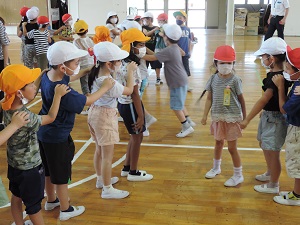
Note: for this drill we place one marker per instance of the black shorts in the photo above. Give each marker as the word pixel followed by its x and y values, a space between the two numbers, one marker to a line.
pixel 29 186
pixel 186 64
pixel 129 115
pixel 154 64
pixel 57 160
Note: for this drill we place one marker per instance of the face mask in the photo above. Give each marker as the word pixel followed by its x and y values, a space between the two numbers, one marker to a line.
pixel 160 24
pixel 113 20
pixel 23 99
pixel 145 22
pixel 76 71
pixel 264 65
pixel 179 22
pixel 288 77
pixel 142 52
pixel 70 22
pixel 116 68
pixel 225 68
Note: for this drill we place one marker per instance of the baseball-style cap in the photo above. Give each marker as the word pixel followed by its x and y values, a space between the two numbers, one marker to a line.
pixel 162 16
pixel 32 13
pixel 14 78
pixel 107 51
pixel 42 20
pixel 80 26
pixel 131 35
pixel 132 24
pixel 111 13
pixel 293 56
pixel 180 13
pixel 130 17
pixel 172 31
pixel 63 51
pixel 102 33
pixel 148 14
pixel 224 53
pixel 272 46
pixel 66 17
pixel 23 11
pixel 137 17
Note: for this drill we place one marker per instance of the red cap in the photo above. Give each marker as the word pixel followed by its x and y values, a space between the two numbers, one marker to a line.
pixel 162 16
pixel 65 17
pixel 137 17
pixel 224 53
pixel 293 56
pixel 42 20
pixel 23 11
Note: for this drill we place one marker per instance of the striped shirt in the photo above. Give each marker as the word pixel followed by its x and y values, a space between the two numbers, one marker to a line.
pixel 40 40
pixel 3 39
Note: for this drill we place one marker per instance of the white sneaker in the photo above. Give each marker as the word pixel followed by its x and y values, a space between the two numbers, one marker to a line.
pixel 189 89
pixel 192 123
pixel 212 173
pixel 78 210
pixel 50 206
pixel 263 177
pixel 185 132
pixel 234 181
pixel 28 222
pixel 141 177
pixel 265 189
pixel 146 133
pixel 120 119
pixel 85 112
pixel 288 199
pixel 158 82
pixel 151 121
pixel 99 183
pixel 125 173
pixel 114 193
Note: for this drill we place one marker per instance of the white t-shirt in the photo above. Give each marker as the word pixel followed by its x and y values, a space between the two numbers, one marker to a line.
pixel 143 69
pixel 278 7
pixel 111 27
pixel 84 44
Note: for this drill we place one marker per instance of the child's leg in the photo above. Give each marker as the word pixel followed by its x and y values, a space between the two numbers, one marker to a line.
pixel 217 160
pixel 16 209
pixel 180 115
pixel 107 157
pixel 50 189
pixel 37 218
pixel 186 114
pixel 98 160
pixel 275 167
pixel 136 140
pixel 235 156
pixel 63 196
pixel 297 186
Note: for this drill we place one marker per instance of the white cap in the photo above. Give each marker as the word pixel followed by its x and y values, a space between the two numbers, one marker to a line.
pixel 130 17
pixel 107 51
pixel 32 13
pixel 132 24
pixel 111 13
pixel 148 14
pixel 272 46
pixel 63 51
pixel 172 31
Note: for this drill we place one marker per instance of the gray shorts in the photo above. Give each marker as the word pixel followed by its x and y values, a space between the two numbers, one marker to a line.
pixel 177 97
pixel 292 152
pixel 272 130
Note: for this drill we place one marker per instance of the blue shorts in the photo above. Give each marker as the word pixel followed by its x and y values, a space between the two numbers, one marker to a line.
pixel 177 97
pixel 272 130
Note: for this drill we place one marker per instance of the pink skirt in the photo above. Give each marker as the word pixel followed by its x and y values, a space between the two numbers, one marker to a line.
pixel 225 131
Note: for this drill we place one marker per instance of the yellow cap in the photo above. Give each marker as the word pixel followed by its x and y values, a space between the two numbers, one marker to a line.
pixel 131 35
pixel 180 13
pixel 80 26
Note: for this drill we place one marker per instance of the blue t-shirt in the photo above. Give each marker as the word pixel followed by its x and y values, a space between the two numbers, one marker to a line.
pixel 71 103
pixel 292 107
pixel 185 40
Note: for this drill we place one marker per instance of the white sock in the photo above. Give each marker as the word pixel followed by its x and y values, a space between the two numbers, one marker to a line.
pixel 106 188
pixel 238 171
pixel 99 177
pixel 217 164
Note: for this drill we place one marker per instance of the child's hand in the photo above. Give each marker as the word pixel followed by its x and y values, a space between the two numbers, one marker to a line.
pixel 19 119
pixel 203 121
pixel 61 89
pixel 278 80
pixel 132 66
pixel 297 90
pixel 138 126
pixel 244 124
pixel 108 83
pixel 24 23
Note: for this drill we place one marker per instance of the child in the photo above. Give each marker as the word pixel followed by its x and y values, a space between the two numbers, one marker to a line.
pixel 102 33
pixel 272 126
pixel 41 40
pixel 102 118
pixel 185 40
pixel 23 156
pixel 54 139
pixel 291 107
pixel 111 23
pixel 226 101
pixel 138 19
pixel 175 76
pixel 65 32
pixel 131 107
pixel 23 11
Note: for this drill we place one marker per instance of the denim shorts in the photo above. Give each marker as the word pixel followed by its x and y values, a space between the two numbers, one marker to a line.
pixel 292 152
pixel 177 97
pixel 272 130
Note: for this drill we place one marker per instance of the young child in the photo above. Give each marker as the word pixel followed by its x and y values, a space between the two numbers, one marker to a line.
pixel 54 139
pixel 23 156
pixel 131 107
pixel 291 107
pixel 102 33
pixel 175 76
pixel 185 40
pixel 111 23
pixel 41 40
pixel 23 11
pixel 65 32
pixel 138 19
pixel 102 118
pixel 272 126
pixel 226 101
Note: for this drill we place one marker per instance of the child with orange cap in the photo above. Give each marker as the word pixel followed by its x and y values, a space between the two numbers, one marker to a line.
pixel 291 108
pixel 226 101
pixel 23 155
pixel 65 32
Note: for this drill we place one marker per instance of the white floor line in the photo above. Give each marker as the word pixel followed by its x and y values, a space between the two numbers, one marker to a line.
pixel 33 104
pixel 83 148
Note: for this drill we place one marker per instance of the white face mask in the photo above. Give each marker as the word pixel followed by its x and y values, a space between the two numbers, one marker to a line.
pixel 288 76
pixel 225 68
pixel 75 72
pixel 70 22
pixel 263 63
pixel 113 20
pixel 145 22
pixel 160 24
pixel 23 99
pixel 142 52
pixel 116 69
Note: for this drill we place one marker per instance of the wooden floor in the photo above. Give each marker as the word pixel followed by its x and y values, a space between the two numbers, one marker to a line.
pixel 179 194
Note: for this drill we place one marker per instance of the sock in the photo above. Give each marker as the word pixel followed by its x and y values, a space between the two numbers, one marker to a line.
pixel 134 172
pixel 158 79
pixel 55 201
pixel 70 209
pixel 126 168
pixel 217 164
pixel 105 188
pixel 267 173
pixel 99 177
pixel 272 184
pixel 238 171
pixel 185 125
pixel 296 195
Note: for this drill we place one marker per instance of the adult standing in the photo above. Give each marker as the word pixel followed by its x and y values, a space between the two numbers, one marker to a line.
pixel 277 18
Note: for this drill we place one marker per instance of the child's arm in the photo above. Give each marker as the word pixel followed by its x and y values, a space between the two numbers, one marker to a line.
pixel 138 107
pixel 243 105
pixel 24 28
pixel 279 82
pixel 149 51
pixel 80 74
pixel 60 91
pixel 151 32
pixel 18 120
pixel 19 32
pixel 149 57
pixel 128 89
pixel 207 107
pixel 181 51
pixel 59 30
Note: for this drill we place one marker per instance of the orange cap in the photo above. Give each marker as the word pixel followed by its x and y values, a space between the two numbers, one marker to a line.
pixel 224 53
pixel 23 11
pixel 65 17
pixel 131 35
pixel 162 16
pixel 14 78
pixel 293 56
pixel 42 20
pixel 102 33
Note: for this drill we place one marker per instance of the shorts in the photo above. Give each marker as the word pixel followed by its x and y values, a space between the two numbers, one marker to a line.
pixel 154 64
pixel 225 131
pixel 57 160
pixel 271 130
pixel 103 125
pixel 29 186
pixel 292 152
pixel 177 97
pixel 186 64
pixel 129 115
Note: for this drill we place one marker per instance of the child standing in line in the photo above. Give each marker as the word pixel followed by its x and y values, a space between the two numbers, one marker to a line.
pixel 131 107
pixel 23 11
pixel 65 32
pixel 111 23
pixel 102 117
pixel 23 156
pixel 291 107
pixel 272 126
pixel 176 77
pixel 54 139
pixel 226 101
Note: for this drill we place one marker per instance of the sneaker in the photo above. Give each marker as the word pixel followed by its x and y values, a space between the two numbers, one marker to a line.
pixel 189 89
pixel 263 177
pixel 185 132
pixel 212 173
pixel 99 183
pixel 125 173
pixel 113 193
pixel 141 177
pixel 158 82
pixel 283 193
pixel 120 119
pixel 234 181
pixel 287 199
pixel 150 121
pixel 78 210
pixel 2 126
pixel 192 123
pixel 265 189
pixel 146 133
pixel 51 206
pixel 85 112
pixel 28 222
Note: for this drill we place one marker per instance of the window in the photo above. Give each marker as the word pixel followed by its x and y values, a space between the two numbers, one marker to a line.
pixel 178 4
pixel 239 2
pixel 196 4
pixel 155 4
pixel 135 4
pixel 266 2
pixel 196 18
pixel 253 2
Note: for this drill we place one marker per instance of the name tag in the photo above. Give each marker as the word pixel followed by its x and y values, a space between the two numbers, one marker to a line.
pixel 226 100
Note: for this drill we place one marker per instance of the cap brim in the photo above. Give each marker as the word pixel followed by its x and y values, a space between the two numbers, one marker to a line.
pixel 288 50
pixel 80 53
pixel 123 55
pixel 177 14
pixel 258 53
pixel 35 74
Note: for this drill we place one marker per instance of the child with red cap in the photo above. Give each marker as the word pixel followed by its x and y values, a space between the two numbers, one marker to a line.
pixel 226 101
pixel 65 32
pixel 23 11
pixel 291 108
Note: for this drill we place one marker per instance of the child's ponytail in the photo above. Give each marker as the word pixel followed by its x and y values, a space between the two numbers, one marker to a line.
pixel 93 73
